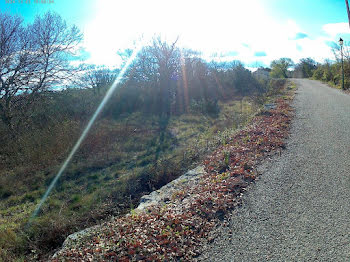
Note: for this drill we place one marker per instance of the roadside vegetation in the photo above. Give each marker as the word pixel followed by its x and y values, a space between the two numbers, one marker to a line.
pixel 330 72
pixel 171 110
pixel 177 230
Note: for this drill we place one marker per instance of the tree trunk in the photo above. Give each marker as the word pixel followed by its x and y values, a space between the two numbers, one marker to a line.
pixel 7 117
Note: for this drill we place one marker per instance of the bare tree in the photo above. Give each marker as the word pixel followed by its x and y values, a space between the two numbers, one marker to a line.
pixel 157 68
pixel 33 59
pixel 305 68
pixel 97 77
pixel 337 52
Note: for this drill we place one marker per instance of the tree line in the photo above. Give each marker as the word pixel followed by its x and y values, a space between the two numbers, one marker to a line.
pixel 330 71
pixel 164 79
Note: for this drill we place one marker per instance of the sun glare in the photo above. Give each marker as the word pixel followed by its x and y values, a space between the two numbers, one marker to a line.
pixel 85 132
pixel 231 30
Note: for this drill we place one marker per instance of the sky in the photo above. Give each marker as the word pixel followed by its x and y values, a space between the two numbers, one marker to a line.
pixel 254 32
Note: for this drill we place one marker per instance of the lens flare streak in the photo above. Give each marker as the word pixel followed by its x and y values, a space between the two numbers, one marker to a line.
pixel 185 82
pixel 86 131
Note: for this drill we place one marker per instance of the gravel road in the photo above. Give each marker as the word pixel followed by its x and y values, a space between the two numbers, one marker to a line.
pixel 299 209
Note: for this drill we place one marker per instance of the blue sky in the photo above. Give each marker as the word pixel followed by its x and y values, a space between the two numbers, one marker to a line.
pixel 255 32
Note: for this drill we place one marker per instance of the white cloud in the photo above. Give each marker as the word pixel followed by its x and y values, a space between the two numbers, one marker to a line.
pixel 211 27
pixel 335 29
pixel 204 25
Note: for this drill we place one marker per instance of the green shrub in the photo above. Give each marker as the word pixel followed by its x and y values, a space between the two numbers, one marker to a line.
pixel 318 73
pixel 205 106
pixel 5 193
pixel 49 232
pixel 11 245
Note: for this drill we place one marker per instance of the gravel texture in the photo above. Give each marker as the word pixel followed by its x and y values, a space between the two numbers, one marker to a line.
pixel 299 209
